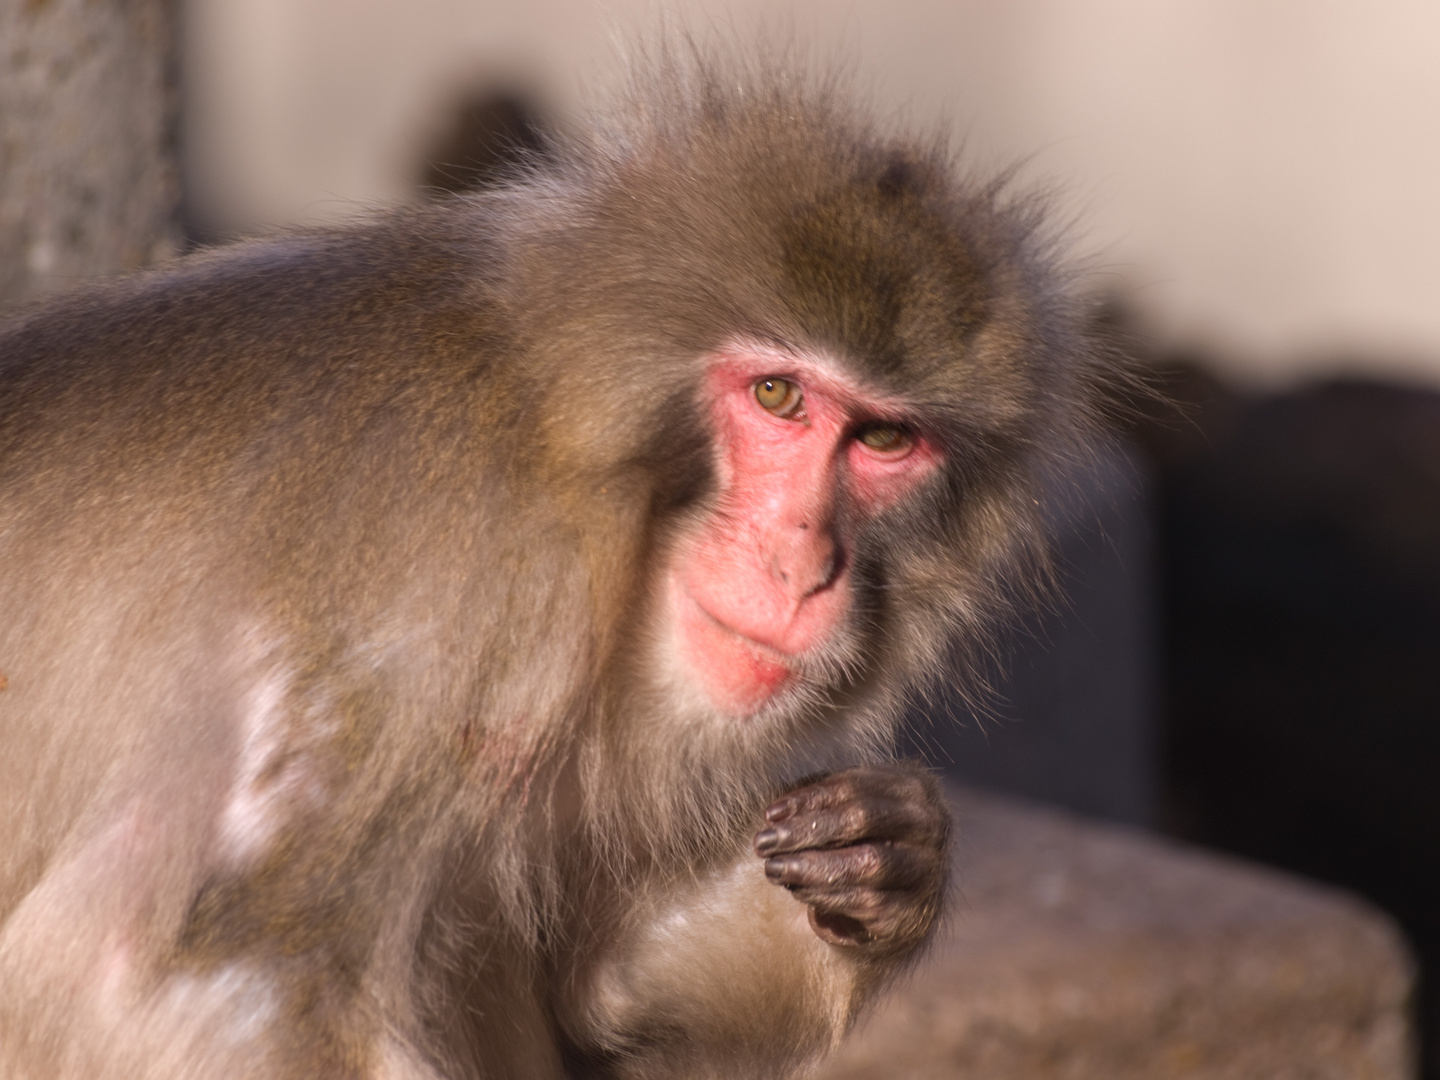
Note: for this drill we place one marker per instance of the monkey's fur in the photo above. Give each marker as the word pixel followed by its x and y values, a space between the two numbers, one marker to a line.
pixel 332 743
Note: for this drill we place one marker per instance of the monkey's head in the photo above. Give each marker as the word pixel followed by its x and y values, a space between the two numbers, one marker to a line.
pixel 763 587
pixel 844 376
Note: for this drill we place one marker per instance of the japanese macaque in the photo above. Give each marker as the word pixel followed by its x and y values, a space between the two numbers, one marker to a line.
pixel 469 643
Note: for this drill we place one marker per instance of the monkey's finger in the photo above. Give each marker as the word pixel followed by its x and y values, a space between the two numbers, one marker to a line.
pixel 898 783
pixel 859 818
pixel 912 793
pixel 867 917
pixel 876 866
pixel 869 819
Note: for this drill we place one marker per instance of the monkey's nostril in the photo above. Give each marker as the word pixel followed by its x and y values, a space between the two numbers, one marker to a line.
pixel 825 575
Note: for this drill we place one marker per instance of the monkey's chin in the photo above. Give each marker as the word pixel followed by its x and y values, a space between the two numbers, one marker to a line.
pixel 738 675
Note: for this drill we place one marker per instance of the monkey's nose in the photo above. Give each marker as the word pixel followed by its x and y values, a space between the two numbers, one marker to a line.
pixel 804 561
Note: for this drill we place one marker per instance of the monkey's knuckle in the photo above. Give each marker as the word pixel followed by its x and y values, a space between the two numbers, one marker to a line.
pixel 907 784
pixel 869 862
pixel 931 822
pixel 835 868
pixel 863 818
pixel 897 866
pixel 930 838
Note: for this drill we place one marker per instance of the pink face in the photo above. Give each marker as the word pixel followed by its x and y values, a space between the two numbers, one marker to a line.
pixel 766 579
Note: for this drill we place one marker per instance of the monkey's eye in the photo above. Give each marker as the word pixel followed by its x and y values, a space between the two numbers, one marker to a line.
pixel 780 397
pixel 886 438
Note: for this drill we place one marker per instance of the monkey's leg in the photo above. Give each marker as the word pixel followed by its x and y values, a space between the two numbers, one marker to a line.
pixel 728 968
pixel 86 991
pixel 720 969
pixel 92 987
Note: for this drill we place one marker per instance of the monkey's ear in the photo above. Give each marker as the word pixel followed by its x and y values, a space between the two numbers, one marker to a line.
pixel 901 175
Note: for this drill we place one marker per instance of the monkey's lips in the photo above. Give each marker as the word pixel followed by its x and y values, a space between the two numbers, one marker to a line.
pixel 739 673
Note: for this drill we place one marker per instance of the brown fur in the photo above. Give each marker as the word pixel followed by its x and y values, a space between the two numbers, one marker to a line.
pixel 387 503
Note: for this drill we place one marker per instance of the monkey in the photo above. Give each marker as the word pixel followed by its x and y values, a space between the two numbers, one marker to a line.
pixel 469 641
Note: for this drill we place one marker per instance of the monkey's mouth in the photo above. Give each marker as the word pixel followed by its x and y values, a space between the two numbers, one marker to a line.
pixel 739 673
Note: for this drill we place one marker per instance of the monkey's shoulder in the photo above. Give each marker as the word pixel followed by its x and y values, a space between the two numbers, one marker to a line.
pixel 307 314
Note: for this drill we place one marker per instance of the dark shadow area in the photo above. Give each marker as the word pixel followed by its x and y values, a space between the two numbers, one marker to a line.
pixel 1300 585
pixel 1073 717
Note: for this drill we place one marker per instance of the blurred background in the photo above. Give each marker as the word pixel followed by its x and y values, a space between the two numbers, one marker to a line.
pixel 1249 655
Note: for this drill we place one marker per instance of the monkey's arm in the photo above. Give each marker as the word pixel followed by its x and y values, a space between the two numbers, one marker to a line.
pixel 728 968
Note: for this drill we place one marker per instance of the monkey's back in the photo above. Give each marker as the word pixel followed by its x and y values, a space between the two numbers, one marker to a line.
pixel 200 460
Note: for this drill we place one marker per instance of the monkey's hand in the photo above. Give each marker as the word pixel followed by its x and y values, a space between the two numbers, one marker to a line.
pixel 866 850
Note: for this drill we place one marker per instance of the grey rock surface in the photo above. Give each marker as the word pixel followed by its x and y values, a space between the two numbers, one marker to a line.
pixel 1089 952
pixel 88 182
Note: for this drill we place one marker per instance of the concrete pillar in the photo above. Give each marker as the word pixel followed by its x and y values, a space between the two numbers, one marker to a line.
pixel 88 181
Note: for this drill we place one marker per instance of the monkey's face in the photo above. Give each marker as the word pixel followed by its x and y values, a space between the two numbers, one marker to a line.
pixel 761 588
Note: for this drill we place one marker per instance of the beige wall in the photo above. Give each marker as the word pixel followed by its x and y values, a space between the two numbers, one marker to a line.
pixel 1261 176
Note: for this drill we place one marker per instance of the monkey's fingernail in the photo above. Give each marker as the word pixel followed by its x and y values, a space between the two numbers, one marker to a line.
pixel 777 810
pixel 765 840
pixel 774 869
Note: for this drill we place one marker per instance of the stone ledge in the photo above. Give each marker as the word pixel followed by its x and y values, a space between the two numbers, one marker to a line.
pixel 1084 951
